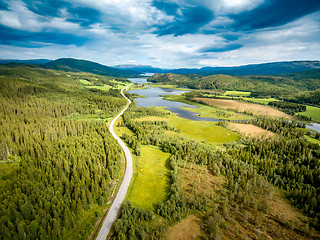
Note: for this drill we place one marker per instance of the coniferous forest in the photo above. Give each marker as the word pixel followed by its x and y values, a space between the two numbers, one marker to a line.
pixel 60 166
pixel 58 159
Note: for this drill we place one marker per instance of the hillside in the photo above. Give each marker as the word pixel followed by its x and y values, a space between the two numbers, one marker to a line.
pixel 29 61
pixel 273 68
pixel 75 65
pixel 259 84
pixel 141 68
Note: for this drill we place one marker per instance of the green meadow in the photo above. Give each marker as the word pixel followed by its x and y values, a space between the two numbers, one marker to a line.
pixel 313 112
pixel 150 183
pixel 208 111
pixel 237 93
pixel 202 130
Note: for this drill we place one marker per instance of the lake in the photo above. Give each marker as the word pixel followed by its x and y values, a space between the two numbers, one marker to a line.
pixel 153 97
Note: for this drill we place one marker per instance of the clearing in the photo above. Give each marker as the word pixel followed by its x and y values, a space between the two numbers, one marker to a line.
pixel 237 93
pixel 198 181
pixel 313 112
pixel 249 130
pixel 188 228
pixel 151 118
pixel 202 130
pixel 150 183
pixel 244 107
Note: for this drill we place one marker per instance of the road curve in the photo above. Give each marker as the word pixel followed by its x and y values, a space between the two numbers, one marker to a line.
pixel 122 191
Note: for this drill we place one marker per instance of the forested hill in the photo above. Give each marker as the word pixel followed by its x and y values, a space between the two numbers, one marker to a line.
pixel 304 81
pixel 73 65
pixel 273 68
pixel 58 162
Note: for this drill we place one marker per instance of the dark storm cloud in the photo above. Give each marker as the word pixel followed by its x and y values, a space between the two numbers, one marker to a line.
pixel 224 48
pixel 27 39
pixel 274 13
pixel 168 8
pixel 3 6
pixel 56 8
pixel 84 16
pixel 50 8
pixel 190 20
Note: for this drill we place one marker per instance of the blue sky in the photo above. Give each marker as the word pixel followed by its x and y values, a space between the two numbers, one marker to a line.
pixel 167 34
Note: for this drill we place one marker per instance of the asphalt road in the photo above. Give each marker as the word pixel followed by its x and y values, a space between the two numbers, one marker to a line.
pixel 122 192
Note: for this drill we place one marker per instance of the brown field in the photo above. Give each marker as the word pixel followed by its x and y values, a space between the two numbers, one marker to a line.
pixel 243 107
pixel 280 206
pixel 197 180
pixel 188 228
pixel 249 130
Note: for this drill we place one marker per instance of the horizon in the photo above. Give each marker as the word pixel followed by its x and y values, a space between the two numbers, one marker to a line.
pixel 164 34
pixel 148 65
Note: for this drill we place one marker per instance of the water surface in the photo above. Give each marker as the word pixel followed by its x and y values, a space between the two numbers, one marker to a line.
pixel 153 97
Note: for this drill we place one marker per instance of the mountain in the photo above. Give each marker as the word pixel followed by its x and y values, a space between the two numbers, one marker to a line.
pixel 141 68
pixel 30 61
pixel 273 68
pixel 75 65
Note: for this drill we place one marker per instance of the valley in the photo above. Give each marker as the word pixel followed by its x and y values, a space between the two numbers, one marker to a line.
pixel 208 163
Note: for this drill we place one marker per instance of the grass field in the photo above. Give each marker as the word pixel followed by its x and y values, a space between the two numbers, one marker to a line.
pixel 151 118
pixel 312 112
pixel 208 111
pixel 261 100
pixel 203 130
pixel 121 130
pixel 249 130
pixel 310 139
pixel 237 93
pixel 105 87
pixel 150 185
pixel 84 81
pixel 255 109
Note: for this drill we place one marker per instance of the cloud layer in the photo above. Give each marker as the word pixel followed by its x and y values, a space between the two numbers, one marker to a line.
pixel 162 33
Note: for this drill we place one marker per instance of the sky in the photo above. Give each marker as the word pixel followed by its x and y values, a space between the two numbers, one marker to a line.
pixel 166 34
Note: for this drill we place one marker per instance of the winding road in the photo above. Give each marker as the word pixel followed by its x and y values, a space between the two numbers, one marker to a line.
pixel 122 191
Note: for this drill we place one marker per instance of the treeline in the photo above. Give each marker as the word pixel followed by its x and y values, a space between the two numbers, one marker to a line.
pixel 287 107
pixel 285 128
pixel 310 98
pixel 134 223
pixel 59 164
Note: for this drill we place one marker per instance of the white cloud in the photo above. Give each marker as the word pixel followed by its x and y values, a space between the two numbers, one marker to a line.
pixel 20 17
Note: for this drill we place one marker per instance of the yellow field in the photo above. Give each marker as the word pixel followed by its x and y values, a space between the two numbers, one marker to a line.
pixel 249 130
pixel 244 107
pixel 188 228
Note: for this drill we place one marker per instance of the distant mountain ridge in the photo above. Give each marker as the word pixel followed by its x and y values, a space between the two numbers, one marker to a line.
pixel 29 61
pixel 72 65
pixel 131 70
pixel 273 68
pixel 75 65
pixel 141 68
